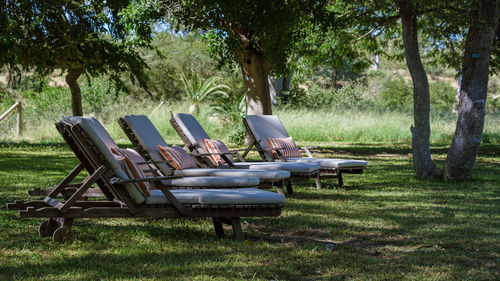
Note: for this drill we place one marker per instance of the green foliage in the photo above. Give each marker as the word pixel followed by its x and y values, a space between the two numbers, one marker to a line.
pixel 442 95
pixel 177 53
pixel 230 110
pixel 279 26
pixel 69 35
pixel 396 93
pixel 196 89
pixel 315 97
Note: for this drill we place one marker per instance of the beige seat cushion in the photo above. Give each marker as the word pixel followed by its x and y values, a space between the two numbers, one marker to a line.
pixel 218 196
pixel 261 174
pixel 331 163
pixel 293 168
pixel 213 182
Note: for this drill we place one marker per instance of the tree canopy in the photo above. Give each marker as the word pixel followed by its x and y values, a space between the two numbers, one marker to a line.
pixel 73 36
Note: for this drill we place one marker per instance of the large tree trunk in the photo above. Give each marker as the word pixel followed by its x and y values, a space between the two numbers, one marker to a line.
pixel 255 68
pixel 422 161
pixel 76 94
pixel 471 108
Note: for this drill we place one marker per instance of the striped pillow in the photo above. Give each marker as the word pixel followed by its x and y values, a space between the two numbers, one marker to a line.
pixel 128 159
pixel 216 146
pixel 179 158
pixel 286 146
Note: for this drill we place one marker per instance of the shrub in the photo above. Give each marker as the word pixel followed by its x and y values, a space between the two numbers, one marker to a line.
pixel 442 95
pixel 396 94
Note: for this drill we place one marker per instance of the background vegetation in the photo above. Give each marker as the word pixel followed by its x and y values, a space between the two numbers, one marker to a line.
pixel 373 106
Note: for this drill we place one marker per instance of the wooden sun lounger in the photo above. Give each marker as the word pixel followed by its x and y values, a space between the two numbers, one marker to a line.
pixel 264 183
pixel 325 172
pixel 117 203
pixel 206 161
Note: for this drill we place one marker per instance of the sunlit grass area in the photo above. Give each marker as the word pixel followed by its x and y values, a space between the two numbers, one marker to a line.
pixel 306 126
pixel 383 225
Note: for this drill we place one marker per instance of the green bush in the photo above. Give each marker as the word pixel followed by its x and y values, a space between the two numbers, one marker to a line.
pixel 347 97
pixel 396 93
pixel 442 95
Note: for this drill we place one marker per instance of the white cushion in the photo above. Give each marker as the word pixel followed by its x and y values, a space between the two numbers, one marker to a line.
pixel 104 143
pixel 213 182
pixel 149 138
pixel 331 163
pixel 261 174
pixel 286 166
pixel 193 130
pixel 218 196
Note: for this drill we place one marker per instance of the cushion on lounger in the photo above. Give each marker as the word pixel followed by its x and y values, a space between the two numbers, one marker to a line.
pixel 216 146
pixel 132 169
pixel 286 147
pixel 177 156
pixel 261 174
pixel 215 182
pixel 330 163
pixel 236 196
pixel 294 168
pixel 100 138
pixel 149 138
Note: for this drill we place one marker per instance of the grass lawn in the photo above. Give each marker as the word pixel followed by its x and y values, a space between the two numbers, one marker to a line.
pixel 383 225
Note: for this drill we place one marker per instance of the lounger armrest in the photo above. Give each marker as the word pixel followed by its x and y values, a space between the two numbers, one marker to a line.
pixel 307 149
pixel 235 153
pixel 152 179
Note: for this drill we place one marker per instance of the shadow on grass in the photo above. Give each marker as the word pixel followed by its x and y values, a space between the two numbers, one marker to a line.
pixel 385 224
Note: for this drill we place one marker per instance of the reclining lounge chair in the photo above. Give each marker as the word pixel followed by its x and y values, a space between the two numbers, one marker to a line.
pixel 123 197
pixel 271 140
pixel 195 138
pixel 146 140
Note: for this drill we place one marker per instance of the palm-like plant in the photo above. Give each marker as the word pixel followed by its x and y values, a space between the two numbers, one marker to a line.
pixel 197 90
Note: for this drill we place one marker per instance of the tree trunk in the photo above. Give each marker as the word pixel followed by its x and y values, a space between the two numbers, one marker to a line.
pixel 471 107
pixel 422 161
pixel 255 68
pixel 76 94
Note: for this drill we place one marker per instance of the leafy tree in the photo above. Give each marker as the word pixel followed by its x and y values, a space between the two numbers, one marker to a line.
pixel 259 35
pixel 75 36
pixel 442 22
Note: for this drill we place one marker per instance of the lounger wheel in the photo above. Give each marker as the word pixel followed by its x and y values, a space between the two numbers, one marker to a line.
pixel 63 235
pixel 48 227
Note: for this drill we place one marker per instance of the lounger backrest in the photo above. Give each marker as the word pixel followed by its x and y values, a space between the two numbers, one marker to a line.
pixel 263 126
pixel 149 138
pixel 103 143
pixel 193 131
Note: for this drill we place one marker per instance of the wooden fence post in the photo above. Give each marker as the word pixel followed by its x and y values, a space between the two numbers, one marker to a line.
pixel 19 108
pixel 19 119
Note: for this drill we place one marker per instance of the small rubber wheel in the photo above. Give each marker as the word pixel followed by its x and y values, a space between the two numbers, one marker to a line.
pixel 63 235
pixel 47 227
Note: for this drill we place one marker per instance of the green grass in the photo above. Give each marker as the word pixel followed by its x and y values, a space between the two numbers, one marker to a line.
pixel 383 225
pixel 319 126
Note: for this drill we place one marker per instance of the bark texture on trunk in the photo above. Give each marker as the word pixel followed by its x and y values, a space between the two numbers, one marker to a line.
pixel 471 108
pixel 255 68
pixel 422 161
pixel 76 94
